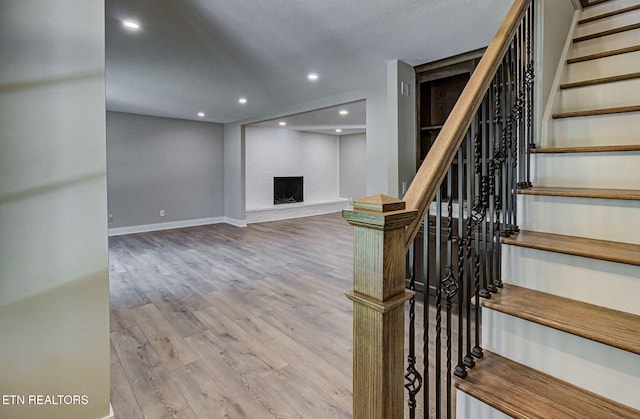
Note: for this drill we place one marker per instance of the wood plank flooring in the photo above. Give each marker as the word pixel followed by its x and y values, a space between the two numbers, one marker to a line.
pixel 225 322
pixel 219 321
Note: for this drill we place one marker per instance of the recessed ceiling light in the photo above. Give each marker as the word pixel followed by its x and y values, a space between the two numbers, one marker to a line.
pixel 312 76
pixel 282 124
pixel 344 112
pixel 131 24
pixel 338 130
pixel 242 100
pixel 201 114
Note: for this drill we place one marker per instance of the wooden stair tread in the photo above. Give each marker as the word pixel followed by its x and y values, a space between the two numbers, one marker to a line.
pixel 600 324
pixel 609 14
pixel 604 54
pixel 625 194
pixel 594 112
pixel 588 149
pixel 607 32
pixel 578 246
pixel 522 392
pixel 602 80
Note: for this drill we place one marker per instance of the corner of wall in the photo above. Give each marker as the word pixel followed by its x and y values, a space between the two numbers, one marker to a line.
pixel 550 58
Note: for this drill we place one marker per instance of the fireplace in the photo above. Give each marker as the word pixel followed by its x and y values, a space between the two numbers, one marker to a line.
pixel 287 190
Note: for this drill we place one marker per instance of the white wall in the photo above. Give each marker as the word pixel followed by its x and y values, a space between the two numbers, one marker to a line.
pixel 282 152
pixel 161 163
pixel 353 166
pixel 54 289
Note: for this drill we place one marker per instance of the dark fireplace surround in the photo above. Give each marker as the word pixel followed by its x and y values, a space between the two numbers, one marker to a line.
pixel 287 190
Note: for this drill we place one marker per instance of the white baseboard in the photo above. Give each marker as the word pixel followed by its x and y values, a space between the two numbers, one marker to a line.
pixel 119 231
pixel 235 222
pixel 288 211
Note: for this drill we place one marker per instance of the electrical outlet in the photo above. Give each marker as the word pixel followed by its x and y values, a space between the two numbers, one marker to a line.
pixel 110 218
pixel 162 213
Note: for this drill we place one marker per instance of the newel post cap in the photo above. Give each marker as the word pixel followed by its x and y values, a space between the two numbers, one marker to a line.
pixel 381 212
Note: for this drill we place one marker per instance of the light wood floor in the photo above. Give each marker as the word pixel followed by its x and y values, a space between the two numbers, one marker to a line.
pixel 226 322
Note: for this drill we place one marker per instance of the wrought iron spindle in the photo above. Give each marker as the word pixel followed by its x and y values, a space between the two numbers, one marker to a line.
pixel 412 376
pixel 468 358
pixel 449 285
pixel 529 81
pixel 493 162
pixel 460 370
pixel 426 281
pixel 438 325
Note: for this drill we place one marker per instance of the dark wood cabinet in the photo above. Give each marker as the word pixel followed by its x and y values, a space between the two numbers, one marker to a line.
pixel 439 84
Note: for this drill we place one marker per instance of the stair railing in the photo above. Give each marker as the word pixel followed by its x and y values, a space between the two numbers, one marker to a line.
pixel 468 182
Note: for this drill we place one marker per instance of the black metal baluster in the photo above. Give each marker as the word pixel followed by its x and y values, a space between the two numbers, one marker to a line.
pixel 449 285
pixel 412 376
pixel 438 279
pixel 522 143
pixel 469 175
pixel 491 184
pixel 511 144
pixel 518 113
pixel 426 281
pixel 529 80
pixel 487 283
pixel 498 168
pixel 460 370
pixel 505 105
pixel 476 219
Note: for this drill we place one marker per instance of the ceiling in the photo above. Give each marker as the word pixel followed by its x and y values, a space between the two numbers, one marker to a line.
pixel 193 56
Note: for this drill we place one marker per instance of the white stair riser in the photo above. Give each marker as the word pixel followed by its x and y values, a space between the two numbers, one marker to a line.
pixel 608 371
pixel 614 129
pixel 618 170
pixel 607 7
pixel 606 43
pixel 607 95
pixel 604 219
pixel 468 407
pixel 603 67
pixel 617 21
pixel 588 280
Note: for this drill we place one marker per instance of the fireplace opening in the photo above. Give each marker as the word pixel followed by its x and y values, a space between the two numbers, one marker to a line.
pixel 287 190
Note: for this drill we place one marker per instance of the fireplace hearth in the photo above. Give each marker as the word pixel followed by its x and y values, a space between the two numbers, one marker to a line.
pixel 287 190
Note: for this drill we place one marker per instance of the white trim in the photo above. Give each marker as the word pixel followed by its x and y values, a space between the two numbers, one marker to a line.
pixel 119 231
pixel 110 416
pixel 235 222
pixel 298 210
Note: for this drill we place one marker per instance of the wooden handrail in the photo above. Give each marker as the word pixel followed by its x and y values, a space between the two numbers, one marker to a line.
pixel 434 168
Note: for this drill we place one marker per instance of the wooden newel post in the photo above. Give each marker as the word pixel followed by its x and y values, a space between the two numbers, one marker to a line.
pixel 378 297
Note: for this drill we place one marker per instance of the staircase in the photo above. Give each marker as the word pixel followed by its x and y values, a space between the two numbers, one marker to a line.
pixel 562 336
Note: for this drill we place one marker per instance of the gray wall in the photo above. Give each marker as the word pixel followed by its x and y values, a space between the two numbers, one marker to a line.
pixel 54 278
pixel 353 166
pixel 557 17
pixel 160 163
pixel 403 110
pixel 391 129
